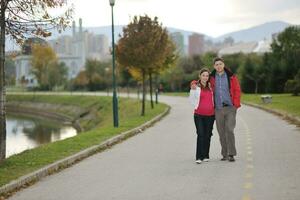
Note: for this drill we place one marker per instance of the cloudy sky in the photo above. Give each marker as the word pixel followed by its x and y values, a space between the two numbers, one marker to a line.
pixel 211 17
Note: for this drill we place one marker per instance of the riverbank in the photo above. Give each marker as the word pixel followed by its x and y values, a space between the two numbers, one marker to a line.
pixel 96 117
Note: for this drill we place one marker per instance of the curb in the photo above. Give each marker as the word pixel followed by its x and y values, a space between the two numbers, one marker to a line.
pixel 27 180
pixel 291 118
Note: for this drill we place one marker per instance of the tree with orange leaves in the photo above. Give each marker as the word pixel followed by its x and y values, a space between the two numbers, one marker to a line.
pixel 143 47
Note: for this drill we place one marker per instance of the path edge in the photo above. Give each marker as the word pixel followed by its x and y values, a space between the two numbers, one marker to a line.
pixel 290 118
pixel 29 179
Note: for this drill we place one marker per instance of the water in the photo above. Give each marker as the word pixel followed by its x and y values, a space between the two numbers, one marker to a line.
pixel 26 133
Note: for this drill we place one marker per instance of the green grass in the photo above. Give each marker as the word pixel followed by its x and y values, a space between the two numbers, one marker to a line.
pixel 282 102
pixel 31 160
pixel 180 94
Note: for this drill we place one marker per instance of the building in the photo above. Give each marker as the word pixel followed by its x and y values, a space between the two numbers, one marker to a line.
pixel 72 50
pixel 260 47
pixel 178 39
pixel 97 46
pixel 196 44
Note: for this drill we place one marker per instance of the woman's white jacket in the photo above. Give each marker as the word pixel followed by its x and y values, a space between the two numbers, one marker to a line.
pixel 194 97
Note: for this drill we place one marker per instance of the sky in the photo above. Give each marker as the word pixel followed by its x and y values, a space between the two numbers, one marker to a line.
pixel 211 17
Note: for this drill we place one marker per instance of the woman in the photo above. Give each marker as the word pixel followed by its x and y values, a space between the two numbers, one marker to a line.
pixel 201 97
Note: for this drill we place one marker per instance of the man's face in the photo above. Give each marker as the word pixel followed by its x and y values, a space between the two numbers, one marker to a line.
pixel 219 66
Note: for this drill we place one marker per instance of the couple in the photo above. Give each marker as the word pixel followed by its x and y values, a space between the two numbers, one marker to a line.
pixel 215 95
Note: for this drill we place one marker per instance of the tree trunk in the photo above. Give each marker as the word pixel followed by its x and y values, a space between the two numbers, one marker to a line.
pixel 2 83
pixel 144 93
pixel 128 92
pixel 156 89
pixel 151 90
pixel 256 87
pixel 138 91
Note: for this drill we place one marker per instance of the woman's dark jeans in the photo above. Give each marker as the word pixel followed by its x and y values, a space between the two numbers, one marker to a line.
pixel 204 126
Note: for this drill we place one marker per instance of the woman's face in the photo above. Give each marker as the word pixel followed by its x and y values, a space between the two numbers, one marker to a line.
pixel 204 77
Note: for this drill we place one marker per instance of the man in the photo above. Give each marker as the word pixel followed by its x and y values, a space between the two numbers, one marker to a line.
pixel 227 95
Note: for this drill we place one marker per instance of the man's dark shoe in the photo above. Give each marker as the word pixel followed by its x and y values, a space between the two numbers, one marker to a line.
pixel 231 159
pixel 224 159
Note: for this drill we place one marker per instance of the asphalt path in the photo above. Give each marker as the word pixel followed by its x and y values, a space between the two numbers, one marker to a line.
pixel 159 164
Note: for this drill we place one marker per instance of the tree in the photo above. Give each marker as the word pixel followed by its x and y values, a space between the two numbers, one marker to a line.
pixel 170 58
pixel 126 78
pixel 58 73
pixel 20 19
pixel 10 71
pixel 173 78
pixel 293 85
pixel 285 56
pixel 142 46
pixel 207 59
pixel 191 64
pixel 43 61
pixel 234 61
pixel 252 73
pixel 81 81
pixel 97 74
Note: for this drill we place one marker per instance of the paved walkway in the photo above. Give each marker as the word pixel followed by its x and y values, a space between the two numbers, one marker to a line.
pixel 159 164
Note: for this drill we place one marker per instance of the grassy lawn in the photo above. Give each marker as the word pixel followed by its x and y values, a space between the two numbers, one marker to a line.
pixel 31 160
pixel 180 94
pixel 282 102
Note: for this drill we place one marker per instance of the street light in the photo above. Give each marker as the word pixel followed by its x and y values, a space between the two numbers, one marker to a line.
pixel 115 100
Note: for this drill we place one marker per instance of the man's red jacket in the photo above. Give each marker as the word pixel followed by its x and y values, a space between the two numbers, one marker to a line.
pixel 234 86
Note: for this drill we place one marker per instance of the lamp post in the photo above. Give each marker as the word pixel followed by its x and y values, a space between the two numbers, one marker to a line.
pixel 115 99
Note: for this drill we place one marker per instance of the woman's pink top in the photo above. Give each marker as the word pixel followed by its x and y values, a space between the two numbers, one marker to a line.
pixel 206 104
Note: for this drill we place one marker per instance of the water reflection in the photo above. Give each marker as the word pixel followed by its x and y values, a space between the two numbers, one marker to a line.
pixel 26 133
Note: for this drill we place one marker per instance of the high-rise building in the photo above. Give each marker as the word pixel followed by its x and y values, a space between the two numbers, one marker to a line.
pixel 96 46
pixel 196 44
pixel 72 50
pixel 62 45
pixel 103 45
pixel 178 39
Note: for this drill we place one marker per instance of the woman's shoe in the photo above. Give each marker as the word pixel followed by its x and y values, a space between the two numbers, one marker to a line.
pixel 198 161
pixel 224 158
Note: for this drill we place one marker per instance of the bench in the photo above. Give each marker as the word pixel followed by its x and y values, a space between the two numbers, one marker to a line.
pixel 266 98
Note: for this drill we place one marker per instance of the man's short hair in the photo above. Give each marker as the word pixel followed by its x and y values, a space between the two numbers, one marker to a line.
pixel 218 59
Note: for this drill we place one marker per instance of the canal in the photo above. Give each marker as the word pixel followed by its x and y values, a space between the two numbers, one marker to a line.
pixel 27 132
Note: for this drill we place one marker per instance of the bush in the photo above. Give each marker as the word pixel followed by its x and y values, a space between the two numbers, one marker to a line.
pixel 292 86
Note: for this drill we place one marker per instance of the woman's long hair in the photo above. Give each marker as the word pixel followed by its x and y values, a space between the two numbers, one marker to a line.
pixel 207 86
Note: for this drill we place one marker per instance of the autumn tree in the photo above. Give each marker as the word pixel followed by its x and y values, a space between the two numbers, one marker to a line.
pixel 142 47
pixel 46 68
pixel 20 19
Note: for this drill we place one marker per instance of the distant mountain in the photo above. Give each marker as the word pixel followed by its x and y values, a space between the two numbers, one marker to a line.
pixel 256 33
